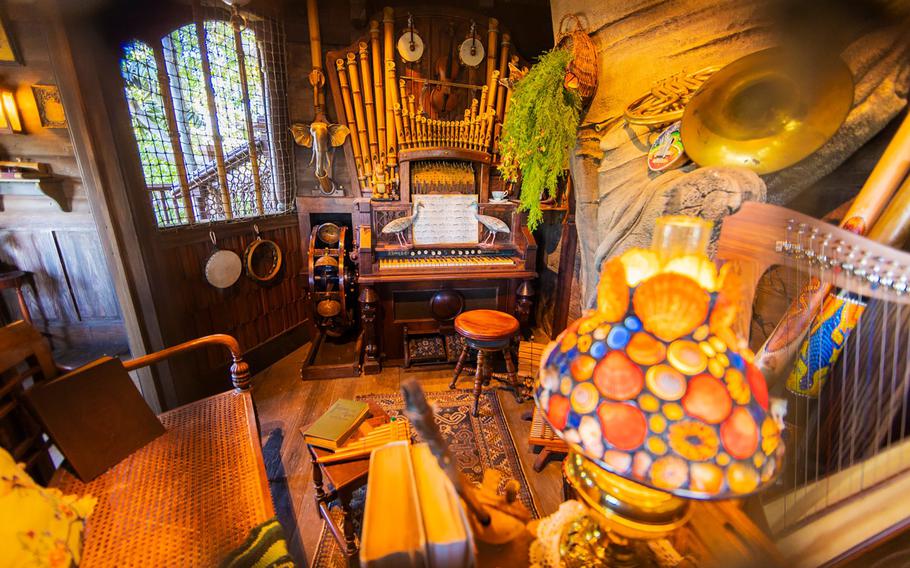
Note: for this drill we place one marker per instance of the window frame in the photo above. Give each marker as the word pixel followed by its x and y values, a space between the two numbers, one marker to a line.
pixel 265 147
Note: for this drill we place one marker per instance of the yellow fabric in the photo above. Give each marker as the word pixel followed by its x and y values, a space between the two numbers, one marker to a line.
pixel 38 527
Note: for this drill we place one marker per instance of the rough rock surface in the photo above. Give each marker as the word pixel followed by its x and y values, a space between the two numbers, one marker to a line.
pixel 640 42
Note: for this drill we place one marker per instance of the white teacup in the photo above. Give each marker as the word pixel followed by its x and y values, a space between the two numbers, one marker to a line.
pixel 499 195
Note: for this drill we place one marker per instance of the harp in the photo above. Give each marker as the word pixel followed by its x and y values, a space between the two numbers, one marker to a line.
pixel 843 487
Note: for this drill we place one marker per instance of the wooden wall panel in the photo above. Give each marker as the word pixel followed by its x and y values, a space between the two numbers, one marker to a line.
pixel 36 251
pixel 89 281
pixel 252 313
pixel 76 305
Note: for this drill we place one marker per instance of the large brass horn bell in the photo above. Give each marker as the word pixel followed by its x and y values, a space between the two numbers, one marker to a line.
pixel 767 111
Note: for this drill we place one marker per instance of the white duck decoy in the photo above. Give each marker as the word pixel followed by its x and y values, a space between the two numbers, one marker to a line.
pixel 399 225
pixel 492 224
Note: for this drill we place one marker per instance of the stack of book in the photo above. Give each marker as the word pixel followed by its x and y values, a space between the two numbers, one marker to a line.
pixel 429 529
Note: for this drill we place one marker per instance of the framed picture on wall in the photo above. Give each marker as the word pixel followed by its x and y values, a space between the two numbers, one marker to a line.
pixel 8 51
pixel 50 107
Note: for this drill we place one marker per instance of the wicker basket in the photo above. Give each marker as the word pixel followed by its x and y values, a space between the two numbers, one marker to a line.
pixel 581 74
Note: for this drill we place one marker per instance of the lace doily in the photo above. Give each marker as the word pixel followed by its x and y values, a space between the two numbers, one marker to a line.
pixel 544 551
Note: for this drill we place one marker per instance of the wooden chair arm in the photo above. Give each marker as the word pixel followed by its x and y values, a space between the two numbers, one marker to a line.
pixel 240 371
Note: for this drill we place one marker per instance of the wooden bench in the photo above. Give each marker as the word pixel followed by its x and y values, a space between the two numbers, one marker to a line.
pixel 188 498
pixel 541 437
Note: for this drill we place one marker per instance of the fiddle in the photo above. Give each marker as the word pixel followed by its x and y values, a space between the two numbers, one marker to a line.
pixel 446 69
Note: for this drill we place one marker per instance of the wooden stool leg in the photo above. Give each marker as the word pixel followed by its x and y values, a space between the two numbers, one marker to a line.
pixel 513 375
pixel 541 460
pixel 462 359
pixel 478 380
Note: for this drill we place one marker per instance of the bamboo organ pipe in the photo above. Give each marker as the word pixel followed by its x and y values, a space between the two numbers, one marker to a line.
pixel 491 92
pixel 412 113
pixel 405 116
pixel 504 49
pixel 349 117
pixel 378 71
pixel 369 109
pixel 488 132
pixel 398 125
pixel 360 117
pixel 312 18
pixel 388 33
pixel 469 138
pixel 492 36
pixel 481 111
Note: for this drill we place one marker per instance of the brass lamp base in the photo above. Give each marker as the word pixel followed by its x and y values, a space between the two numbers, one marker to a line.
pixel 630 509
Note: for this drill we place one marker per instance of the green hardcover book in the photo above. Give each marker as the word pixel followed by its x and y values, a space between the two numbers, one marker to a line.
pixel 337 424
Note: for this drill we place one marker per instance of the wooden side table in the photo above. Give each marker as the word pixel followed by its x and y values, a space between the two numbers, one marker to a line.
pixel 343 480
pixel 339 481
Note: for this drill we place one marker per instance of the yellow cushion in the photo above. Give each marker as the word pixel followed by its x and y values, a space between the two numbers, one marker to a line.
pixel 38 526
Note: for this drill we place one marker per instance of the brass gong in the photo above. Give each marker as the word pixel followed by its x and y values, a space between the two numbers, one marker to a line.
pixel 767 111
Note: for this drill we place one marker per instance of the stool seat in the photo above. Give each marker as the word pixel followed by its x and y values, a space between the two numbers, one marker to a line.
pixel 486 325
pixel 488 332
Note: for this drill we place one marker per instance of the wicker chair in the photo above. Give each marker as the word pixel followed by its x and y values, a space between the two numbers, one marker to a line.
pixel 188 498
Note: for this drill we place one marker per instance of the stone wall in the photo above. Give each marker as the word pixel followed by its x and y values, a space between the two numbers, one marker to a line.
pixel 641 42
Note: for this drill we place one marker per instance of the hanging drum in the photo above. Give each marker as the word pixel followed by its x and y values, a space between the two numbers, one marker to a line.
pixel 331 279
pixel 471 50
pixel 410 44
pixel 262 259
pixel 222 267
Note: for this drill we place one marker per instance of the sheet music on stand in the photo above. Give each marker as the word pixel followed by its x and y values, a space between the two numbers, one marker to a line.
pixel 445 219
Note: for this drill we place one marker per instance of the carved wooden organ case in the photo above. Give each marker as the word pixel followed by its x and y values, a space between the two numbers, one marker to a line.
pixel 423 144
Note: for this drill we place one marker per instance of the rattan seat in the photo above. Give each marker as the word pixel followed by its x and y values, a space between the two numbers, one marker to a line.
pixel 188 498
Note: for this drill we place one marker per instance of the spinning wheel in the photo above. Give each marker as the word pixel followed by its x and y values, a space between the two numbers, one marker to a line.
pixel 331 279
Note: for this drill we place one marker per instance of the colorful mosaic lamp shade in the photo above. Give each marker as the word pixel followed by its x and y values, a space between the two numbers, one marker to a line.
pixel 653 390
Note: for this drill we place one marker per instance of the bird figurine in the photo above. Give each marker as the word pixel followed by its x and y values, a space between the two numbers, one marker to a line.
pixel 399 225
pixel 492 224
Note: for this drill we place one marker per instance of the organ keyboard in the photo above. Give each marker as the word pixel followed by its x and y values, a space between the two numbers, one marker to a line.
pixel 414 292
pixel 449 258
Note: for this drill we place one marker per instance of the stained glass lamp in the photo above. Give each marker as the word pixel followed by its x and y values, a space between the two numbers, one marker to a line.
pixel 655 392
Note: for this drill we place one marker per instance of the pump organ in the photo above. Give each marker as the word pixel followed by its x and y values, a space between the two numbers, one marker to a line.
pixel 425 132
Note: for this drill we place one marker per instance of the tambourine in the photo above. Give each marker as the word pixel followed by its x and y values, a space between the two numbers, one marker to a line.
pixel 222 267
pixel 262 259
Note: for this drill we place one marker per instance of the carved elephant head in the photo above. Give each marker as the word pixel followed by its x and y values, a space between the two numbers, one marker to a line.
pixel 321 137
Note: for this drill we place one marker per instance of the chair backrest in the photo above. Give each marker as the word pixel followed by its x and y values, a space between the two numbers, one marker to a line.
pixel 25 360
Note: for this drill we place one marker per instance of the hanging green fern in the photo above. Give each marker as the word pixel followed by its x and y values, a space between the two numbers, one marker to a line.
pixel 539 131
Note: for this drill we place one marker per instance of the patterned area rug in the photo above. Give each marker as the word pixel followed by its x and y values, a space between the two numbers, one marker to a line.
pixel 477 444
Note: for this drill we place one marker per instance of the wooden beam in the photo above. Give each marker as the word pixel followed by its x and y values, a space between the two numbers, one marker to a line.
pixel 96 152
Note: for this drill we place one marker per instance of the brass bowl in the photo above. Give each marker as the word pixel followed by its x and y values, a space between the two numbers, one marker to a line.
pixel 767 111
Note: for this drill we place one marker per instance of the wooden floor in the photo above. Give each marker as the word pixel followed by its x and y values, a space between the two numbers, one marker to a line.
pixel 285 403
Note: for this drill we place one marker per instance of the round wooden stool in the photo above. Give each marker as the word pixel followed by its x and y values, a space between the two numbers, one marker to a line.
pixel 487 332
